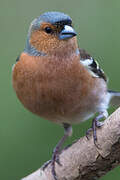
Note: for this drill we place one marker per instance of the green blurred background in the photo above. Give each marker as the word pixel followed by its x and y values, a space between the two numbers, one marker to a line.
pixel 26 141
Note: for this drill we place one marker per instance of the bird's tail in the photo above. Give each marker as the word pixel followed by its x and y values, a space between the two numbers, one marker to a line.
pixel 114 98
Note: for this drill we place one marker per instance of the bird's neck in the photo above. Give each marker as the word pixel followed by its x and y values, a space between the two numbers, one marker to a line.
pixel 32 51
pixel 66 49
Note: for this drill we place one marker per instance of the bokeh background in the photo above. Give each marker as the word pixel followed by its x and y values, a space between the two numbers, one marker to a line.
pixel 26 141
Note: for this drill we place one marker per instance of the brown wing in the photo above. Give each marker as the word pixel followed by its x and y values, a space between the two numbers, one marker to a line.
pixel 92 65
pixel 84 55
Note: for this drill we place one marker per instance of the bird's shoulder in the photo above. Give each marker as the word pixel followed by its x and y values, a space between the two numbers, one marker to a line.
pixel 18 58
pixel 91 64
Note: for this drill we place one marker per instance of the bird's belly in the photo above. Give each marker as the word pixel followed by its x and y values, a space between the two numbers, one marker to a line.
pixel 62 109
pixel 76 118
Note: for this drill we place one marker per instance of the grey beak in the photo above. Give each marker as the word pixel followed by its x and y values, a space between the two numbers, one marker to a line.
pixel 67 32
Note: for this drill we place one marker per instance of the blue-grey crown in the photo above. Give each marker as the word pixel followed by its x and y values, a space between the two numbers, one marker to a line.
pixel 51 17
pixel 54 17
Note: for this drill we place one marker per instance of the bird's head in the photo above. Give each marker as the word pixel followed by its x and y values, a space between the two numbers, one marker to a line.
pixel 51 32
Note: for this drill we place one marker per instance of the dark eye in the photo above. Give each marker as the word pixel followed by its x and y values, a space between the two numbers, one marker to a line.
pixel 48 30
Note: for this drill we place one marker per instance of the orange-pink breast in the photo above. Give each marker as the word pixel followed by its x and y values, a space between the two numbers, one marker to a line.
pixel 53 88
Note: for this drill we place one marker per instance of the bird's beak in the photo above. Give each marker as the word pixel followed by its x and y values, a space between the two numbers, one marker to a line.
pixel 67 32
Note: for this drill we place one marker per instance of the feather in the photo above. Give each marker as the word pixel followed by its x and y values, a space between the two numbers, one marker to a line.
pixel 114 98
pixel 92 65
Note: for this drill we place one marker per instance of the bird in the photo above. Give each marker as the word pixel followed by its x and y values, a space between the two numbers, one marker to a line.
pixel 60 82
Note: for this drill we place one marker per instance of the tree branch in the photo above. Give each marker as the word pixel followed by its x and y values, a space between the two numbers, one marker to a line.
pixel 83 160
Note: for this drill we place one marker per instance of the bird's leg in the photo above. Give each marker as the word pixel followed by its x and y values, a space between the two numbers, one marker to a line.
pixel 57 149
pixel 97 124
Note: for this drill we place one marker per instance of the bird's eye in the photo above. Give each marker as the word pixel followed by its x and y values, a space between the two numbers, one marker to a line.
pixel 48 30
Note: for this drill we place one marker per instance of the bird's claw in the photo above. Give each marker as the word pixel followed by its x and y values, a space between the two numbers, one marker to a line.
pixel 46 164
pixel 88 132
pixel 95 124
pixel 55 159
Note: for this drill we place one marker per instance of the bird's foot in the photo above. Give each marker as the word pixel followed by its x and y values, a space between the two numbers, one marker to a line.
pixel 57 150
pixel 45 165
pixel 55 159
pixel 88 132
pixel 95 124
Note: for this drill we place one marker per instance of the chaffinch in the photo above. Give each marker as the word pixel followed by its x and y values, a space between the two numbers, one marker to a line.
pixel 56 80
